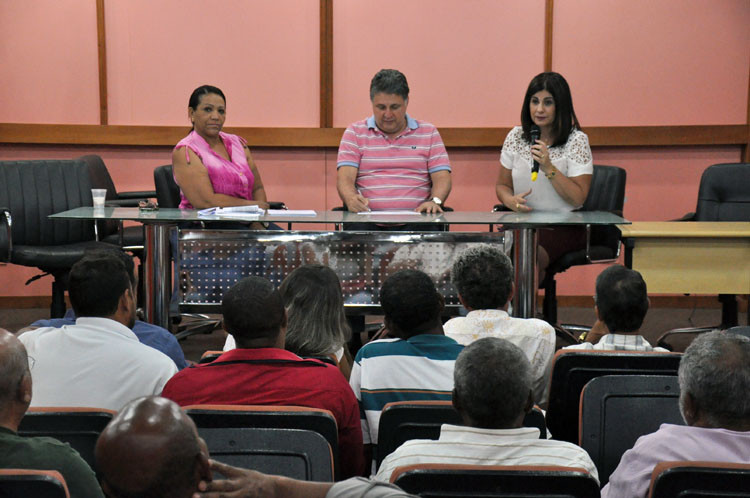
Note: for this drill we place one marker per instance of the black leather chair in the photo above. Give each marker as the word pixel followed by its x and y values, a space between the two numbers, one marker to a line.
pixel 616 410
pixel 113 232
pixel 607 193
pixel 467 481
pixel 724 195
pixel 30 191
pixel 572 369
pixel 402 421
pixel 700 480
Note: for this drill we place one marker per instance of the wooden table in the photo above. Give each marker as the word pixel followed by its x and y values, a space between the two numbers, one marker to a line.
pixel 678 257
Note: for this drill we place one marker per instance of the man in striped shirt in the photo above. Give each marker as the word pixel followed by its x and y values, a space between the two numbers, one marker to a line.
pixel 390 161
pixel 492 394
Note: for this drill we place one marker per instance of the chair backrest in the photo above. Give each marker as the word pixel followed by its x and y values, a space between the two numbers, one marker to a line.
pixel 100 178
pixel 700 480
pixel 25 483
pixel 402 421
pixel 723 194
pixel 294 453
pixel 607 193
pixel 167 190
pixel 79 427
pixel 466 481
pixel 572 369
pixel 273 417
pixel 33 190
pixel 615 410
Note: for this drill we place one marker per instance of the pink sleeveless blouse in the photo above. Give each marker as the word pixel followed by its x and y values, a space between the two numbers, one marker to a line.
pixel 232 177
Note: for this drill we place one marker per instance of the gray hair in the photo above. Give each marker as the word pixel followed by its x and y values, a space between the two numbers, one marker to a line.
pixel 492 379
pixel 715 371
pixel 391 82
pixel 314 303
pixel 14 363
pixel 483 276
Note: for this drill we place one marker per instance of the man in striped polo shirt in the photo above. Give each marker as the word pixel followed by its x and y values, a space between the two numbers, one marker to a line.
pixel 417 364
pixel 390 161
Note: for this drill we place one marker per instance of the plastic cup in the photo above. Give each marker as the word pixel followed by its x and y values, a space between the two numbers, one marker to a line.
pixel 98 194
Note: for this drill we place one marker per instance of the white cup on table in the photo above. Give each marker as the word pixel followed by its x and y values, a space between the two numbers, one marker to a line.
pixel 98 194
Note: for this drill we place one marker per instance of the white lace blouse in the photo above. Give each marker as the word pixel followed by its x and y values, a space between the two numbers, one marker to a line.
pixel 571 159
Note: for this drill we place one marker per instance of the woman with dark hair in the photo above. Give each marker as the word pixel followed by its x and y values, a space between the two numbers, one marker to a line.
pixel 211 167
pixel 316 322
pixel 565 163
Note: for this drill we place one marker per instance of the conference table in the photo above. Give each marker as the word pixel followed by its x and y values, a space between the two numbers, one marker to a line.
pixel 524 227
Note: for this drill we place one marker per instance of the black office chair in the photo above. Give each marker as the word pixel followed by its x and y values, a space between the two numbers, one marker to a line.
pixel 700 480
pixel 402 421
pixel 607 193
pixel 572 369
pixel 467 481
pixel 25 483
pixel 723 195
pixel 616 410
pixel 30 191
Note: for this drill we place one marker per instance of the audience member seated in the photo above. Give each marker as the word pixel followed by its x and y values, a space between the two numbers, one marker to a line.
pixel 492 393
pixel 97 362
pixel 40 453
pixel 316 322
pixel 417 363
pixel 261 372
pixel 483 276
pixel 151 448
pixel 714 381
pixel 149 334
pixel 621 303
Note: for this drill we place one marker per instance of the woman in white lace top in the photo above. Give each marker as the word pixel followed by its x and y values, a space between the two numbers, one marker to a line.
pixel 564 157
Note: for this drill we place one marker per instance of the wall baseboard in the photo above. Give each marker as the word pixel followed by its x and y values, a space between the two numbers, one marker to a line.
pixel 671 301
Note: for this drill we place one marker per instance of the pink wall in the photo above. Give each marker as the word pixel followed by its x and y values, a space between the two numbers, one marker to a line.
pixel 468 63
pixel 48 62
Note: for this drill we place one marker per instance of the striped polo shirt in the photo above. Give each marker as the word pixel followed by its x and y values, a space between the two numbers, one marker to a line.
pixel 419 368
pixel 393 173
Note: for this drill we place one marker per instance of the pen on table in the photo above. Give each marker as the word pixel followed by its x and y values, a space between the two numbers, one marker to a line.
pixel 359 192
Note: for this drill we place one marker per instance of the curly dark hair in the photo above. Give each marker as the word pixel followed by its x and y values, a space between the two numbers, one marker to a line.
pixel 410 303
pixel 483 277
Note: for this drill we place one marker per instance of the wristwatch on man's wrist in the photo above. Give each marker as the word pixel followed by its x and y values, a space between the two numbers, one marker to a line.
pixel 437 201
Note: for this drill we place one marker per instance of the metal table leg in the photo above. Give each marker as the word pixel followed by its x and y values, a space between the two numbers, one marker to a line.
pixel 526 279
pixel 156 274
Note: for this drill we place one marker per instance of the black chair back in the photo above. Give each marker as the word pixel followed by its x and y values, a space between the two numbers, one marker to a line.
pixel 618 409
pixel 273 417
pixel 79 428
pixel 724 194
pixel 571 370
pixel 406 420
pixel 607 193
pixel 294 453
pixel 700 480
pixel 23 483
pixel 167 190
pixel 463 481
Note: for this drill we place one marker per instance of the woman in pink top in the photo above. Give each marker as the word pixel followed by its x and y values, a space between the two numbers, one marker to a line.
pixel 211 167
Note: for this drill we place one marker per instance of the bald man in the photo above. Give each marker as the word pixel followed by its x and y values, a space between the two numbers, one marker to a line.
pixel 152 449
pixel 40 453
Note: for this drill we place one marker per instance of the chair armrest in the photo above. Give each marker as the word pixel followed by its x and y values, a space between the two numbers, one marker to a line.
pixel 123 202
pixel 137 194
pixel 276 205
pixel 686 217
pixel 6 237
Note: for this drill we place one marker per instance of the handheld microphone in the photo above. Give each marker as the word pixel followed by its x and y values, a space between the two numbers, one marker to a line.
pixel 534 133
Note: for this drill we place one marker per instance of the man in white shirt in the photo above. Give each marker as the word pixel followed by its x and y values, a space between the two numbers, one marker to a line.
pixel 492 394
pixel 483 277
pixel 621 304
pixel 99 361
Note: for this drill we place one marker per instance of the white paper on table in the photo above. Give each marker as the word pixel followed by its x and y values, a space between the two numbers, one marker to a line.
pixel 402 212
pixel 291 212
pixel 231 210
